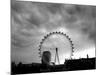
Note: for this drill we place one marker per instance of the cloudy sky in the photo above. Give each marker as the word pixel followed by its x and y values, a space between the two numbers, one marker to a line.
pixel 31 21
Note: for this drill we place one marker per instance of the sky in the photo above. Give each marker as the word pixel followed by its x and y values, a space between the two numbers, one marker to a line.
pixel 31 21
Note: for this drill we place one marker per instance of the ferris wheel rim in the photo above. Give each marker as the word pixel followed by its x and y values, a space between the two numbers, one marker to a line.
pixel 52 33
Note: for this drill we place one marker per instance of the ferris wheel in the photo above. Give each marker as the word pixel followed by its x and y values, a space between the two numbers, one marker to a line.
pixel 59 44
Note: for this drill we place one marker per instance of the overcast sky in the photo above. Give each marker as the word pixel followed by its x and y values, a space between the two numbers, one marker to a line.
pixel 30 21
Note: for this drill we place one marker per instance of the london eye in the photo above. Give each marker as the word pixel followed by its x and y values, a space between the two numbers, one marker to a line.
pixel 60 46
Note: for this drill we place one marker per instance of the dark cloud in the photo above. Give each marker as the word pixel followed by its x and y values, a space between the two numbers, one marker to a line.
pixel 82 18
pixel 53 8
pixel 21 40
pixel 90 29
pixel 15 41
pixel 17 7
pixel 82 11
pixel 36 20
pixel 71 17
pixel 33 14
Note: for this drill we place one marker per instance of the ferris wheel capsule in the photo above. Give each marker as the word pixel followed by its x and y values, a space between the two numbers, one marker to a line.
pixel 40 43
pixel 64 34
pixel 53 33
pixel 42 40
pixel 56 32
pixel 45 37
pixel 72 47
pixel 70 41
pixel 67 36
pixel 39 49
pixel 49 33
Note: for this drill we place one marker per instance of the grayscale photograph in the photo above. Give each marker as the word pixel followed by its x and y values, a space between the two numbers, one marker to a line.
pixel 52 37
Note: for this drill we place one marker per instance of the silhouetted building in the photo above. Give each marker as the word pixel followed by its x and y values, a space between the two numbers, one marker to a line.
pixel 69 65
